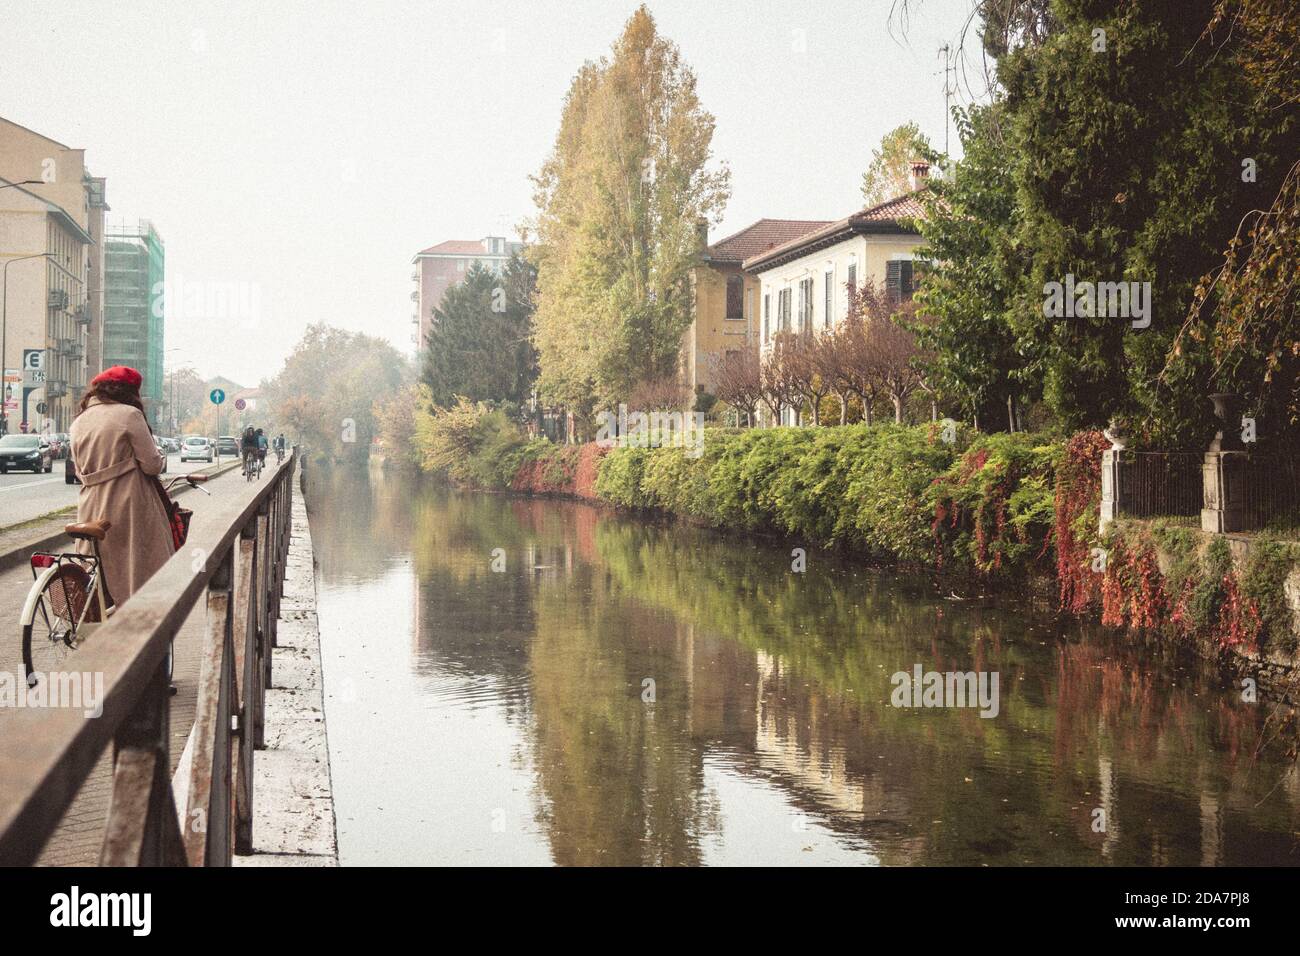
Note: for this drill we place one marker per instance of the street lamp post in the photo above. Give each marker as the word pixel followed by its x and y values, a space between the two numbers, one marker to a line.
pixel 4 334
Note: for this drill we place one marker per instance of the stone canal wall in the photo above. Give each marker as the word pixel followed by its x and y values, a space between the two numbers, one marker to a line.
pixel 293 813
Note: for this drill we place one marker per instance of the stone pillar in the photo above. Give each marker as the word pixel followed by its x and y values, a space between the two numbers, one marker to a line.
pixel 1223 478
pixel 1112 460
pixel 1223 475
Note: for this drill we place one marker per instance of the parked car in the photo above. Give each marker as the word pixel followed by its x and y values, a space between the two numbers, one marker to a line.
pixel 173 444
pixel 58 445
pixel 227 445
pixel 196 448
pixel 31 452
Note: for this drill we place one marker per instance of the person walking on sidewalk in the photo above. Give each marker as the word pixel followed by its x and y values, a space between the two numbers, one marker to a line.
pixel 115 457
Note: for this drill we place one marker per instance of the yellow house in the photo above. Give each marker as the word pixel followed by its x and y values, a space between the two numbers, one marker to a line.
pixel 725 299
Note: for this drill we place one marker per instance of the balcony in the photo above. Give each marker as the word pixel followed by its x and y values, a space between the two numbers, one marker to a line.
pixel 81 316
pixel 57 299
pixel 56 388
pixel 415 295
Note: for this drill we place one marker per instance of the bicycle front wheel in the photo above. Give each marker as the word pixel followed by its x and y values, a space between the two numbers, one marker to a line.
pixel 47 639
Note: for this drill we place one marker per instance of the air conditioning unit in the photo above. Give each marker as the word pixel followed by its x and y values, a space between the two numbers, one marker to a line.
pixel 58 299
pixel 415 295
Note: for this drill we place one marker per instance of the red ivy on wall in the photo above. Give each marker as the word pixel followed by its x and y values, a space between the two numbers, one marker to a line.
pixel 1078 494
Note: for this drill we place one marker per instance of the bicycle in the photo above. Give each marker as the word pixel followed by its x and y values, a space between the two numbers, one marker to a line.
pixel 252 465
pixel 69 597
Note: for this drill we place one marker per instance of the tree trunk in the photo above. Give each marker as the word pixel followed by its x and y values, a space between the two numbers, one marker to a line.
pixel 1011 413
pixel 898 408
pixel 844 408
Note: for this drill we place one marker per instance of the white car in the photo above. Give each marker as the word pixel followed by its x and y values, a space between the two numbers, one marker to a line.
pixel 196 448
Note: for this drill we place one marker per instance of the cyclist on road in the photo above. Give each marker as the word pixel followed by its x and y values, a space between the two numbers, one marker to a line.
pixel 261 447
pixel 247 448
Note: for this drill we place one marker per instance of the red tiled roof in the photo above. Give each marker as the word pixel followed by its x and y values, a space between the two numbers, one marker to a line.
pixel 456 247
pixel 884 217
pixel 761 236
pixel 900 207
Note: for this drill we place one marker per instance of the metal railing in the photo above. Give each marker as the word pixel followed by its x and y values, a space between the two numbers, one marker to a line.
pixel 1271 493
pixel 47 754
pixel 1166 485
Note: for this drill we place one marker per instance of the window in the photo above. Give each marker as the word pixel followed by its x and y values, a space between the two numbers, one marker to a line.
pixel 828 296
pixel 735 297
pixel 749 305
pixel 767 317
pixel 898 280
pixel 783 310
pixel 805 304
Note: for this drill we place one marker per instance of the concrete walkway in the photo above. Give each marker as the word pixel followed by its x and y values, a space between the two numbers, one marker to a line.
pixel 293 799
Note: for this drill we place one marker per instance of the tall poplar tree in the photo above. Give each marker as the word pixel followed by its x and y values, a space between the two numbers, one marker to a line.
pixel 616 231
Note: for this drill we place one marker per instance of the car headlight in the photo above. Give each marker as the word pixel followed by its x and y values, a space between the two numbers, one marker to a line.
pixel 34 454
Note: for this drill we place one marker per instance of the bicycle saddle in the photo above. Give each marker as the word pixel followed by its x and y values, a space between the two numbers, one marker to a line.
pixel 88 529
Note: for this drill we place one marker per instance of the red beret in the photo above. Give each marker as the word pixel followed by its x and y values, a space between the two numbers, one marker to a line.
pixel 119 373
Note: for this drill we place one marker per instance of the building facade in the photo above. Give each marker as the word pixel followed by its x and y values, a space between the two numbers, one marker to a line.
pixel 50 207
pixel 724 299
pixel 804 283
pixel 439 267
pixel 133 306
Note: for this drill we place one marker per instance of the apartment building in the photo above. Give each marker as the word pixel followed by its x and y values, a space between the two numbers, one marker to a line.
pixel 439 267
pixel 134 257
pixel 52 210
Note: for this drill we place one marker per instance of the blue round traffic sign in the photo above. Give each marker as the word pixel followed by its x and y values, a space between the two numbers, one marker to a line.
pixel 217 396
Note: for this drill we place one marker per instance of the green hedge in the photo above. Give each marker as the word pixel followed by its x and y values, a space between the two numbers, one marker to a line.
pixel 875 487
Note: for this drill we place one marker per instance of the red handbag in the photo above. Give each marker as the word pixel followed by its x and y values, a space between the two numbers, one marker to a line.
pixel 178 518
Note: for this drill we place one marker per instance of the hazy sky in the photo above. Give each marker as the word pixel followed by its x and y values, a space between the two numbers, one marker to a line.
pixel 294 156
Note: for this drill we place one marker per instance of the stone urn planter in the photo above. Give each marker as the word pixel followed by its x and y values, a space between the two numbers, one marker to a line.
pixel 1227 409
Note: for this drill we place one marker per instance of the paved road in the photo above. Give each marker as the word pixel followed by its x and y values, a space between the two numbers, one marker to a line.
pixel 80 833
pixel 24 496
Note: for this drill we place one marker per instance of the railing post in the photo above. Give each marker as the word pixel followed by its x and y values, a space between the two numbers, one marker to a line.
pixel 142 829
pixel 209 811
pixel 248 672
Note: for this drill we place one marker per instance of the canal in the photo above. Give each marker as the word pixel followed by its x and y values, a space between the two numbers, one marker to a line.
pixel 632 692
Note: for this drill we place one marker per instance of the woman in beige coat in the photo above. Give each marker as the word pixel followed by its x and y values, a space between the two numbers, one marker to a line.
pixel 115 457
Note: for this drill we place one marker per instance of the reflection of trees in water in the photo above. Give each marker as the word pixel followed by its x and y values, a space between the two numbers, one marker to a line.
pixel 621 783
pixel 359 520
pixel 1103 724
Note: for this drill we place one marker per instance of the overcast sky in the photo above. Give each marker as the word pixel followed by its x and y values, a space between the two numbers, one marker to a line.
pixel 294 156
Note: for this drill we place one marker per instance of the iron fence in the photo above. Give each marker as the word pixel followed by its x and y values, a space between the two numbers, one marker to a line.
pixel 1164 485
pixel 1272 493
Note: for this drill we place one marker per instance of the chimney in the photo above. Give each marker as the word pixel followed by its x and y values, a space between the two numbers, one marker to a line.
pixel 920 173
pixel 702 233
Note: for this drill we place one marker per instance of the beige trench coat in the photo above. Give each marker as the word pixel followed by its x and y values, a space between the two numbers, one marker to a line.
pixel 113 452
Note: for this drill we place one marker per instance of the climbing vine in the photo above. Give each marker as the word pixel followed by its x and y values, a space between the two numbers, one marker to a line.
pixel 1077 507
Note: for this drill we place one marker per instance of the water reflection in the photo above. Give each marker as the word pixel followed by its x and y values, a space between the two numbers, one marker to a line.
pixel 626 692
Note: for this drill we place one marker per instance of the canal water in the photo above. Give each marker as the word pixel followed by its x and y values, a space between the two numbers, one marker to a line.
pixel 636 692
